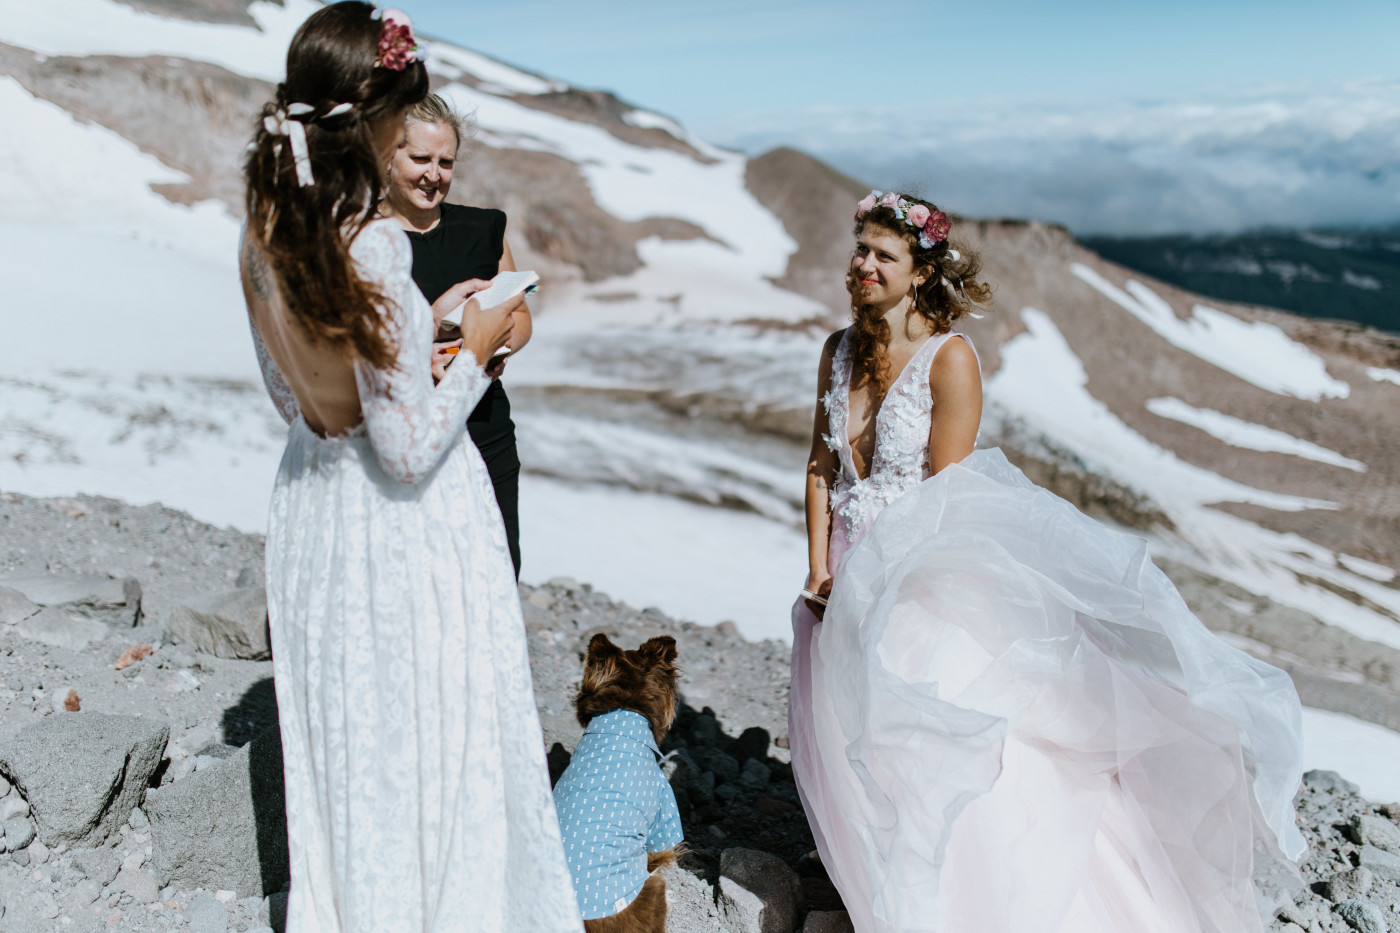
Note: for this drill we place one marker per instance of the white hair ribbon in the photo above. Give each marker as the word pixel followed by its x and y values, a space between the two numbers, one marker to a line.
pixel 954 255
pixel 282 124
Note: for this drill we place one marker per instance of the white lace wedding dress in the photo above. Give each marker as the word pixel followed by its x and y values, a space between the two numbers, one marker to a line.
pixel 418 797
pixel 1009 721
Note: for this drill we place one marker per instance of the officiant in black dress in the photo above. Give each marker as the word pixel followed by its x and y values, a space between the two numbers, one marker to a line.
pixel 452 244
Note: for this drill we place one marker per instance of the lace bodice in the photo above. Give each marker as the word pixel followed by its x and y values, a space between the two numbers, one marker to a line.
pixel 410 424
pixel 900 459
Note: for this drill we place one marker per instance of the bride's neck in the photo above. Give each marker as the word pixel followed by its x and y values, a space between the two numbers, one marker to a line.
pixel 905 323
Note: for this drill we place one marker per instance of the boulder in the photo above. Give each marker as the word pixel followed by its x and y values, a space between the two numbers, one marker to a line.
pixel 1369 829
pixel 1381 863
pixel 78 590
pixel 62 630
pixel 224 827
pixel 100 865
pixel 828 921
pixel 1363 916
pixel 1347 885
pixel 83 773
pixel 757 892
pixel 15 607
pixel 227 625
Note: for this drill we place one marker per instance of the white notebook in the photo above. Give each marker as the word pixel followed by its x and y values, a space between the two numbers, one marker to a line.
pixel 504 287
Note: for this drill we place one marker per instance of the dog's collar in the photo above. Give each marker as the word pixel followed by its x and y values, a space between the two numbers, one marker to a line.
pixel 625 723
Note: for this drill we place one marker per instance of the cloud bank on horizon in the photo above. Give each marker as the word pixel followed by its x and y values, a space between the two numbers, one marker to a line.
pixel 1284 158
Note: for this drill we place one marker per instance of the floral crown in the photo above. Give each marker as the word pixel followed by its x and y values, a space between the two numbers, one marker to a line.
pixel 933 226
pixel 397 47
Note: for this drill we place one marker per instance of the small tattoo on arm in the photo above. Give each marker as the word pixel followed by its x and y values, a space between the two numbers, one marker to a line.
pixel 257 270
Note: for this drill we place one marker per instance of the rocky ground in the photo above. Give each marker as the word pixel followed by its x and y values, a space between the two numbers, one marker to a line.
pixel 140 767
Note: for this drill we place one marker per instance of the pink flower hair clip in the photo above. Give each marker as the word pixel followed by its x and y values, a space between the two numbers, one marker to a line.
pixel 397 47
pixel 933 226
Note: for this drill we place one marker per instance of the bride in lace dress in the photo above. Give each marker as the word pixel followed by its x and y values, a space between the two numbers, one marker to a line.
pixel 417 793
pixel 1006 719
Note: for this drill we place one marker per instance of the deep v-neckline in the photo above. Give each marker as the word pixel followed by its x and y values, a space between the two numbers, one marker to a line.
pixel 875 419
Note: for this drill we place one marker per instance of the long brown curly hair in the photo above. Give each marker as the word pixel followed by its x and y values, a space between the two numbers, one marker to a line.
pixel 950 292
pixel 306 231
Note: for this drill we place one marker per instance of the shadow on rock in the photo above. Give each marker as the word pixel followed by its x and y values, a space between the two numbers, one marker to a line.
pixel 253 714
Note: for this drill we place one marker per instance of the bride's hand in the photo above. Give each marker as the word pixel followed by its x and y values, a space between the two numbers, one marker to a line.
pixel 453 297
pixel 486 331
pixel 819 582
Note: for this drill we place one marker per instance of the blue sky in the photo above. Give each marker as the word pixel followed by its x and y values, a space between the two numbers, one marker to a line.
pixel 998 101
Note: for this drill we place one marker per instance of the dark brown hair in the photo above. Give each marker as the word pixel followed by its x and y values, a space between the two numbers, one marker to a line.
pixel 306 231
pixel 643 681
pixel 951 291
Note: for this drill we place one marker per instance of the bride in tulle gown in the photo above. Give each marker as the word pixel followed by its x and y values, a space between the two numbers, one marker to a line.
pixel 417 793
pixel 1005 718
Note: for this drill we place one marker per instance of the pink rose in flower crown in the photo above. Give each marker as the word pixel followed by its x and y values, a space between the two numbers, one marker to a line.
pixel 890 200
pixel 938 226
pixel 397 47
pixel 866 203
pixel 917 215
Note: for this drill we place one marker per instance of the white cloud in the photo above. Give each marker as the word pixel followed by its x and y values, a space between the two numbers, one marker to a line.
pixel 1274 157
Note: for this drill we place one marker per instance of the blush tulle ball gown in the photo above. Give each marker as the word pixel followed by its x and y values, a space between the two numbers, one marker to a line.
pixel 1010 721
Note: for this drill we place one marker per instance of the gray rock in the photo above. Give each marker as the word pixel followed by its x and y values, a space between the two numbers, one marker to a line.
pixel 1329 782
pixel 828 921
pixel 44 905
pixel 1363 916
pixel 12 807
pixel 1368 829
pixel 55 627
pixel 38 852
pixel 207 915
pixel 755 774
pixel 100 865
pixel 4 787
pixel 1382 864
pixel 69 589
pixel 19 833
pixel 227 625
pixel 20 858
pixel 15 607
pixel 140 884
pixel 225 827
pixel 753 742
pixel 757 892
pixel 137 820
pixel 85 892
pixel 1348 884
pixel 724 767
pixel 83 773
pixel 684 775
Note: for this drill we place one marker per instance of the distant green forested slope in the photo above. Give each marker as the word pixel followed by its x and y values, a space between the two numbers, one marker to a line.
pixel 1347 275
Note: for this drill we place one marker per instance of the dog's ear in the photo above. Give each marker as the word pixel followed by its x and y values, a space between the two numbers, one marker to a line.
pixel 661 648
pixel 600 650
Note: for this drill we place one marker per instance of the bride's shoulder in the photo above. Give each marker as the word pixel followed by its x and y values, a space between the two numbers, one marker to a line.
pixel 381 243
pixel 954 362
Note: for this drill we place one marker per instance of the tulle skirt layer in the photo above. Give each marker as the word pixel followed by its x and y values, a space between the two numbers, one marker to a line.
pixel 1010 721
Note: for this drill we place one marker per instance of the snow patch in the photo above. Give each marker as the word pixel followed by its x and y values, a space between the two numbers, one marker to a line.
pixel 1240 433
pixel 1383 375
pixel 105 27
pixel 453 63
pixel 1256 352
pixel 1362 752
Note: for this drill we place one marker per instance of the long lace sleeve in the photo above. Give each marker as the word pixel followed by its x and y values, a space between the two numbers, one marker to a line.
pixel 282 396
pixel 411 424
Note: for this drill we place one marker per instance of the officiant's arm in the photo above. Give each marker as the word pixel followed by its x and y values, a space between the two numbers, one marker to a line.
pixel 522 326
pixel 822 466
pixel 955 381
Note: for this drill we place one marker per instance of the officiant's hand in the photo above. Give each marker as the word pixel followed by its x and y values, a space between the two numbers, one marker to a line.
pixel 819 582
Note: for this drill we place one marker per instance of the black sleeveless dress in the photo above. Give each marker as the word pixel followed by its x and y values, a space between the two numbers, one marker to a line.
pixel 467 243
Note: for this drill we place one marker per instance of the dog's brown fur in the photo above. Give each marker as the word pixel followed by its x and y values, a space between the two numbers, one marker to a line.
pixel 643 681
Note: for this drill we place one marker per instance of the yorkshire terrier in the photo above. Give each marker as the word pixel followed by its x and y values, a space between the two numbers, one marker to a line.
pixel 617 811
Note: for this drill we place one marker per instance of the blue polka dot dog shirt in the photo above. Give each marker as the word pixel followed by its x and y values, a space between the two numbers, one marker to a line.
pixel 614 807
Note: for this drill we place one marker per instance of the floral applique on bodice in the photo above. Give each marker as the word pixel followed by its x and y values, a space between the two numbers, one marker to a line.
pixel 900 459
